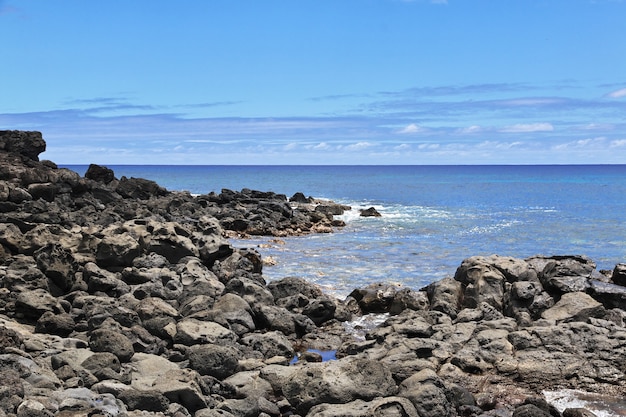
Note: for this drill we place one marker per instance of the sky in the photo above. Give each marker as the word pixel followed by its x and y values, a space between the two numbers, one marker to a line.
pixel 300 82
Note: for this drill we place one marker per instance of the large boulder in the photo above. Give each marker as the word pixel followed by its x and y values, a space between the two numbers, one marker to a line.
pixel 57 324
pixel 427 393
pixel 290 286
pixel 191 331
pixel 446 296
pixel 149 368
pixel 44 190
pixel 574 306
pixel 58 264
pixel 100 173
pixel 139 188
pixel 101 280
pixel 28 144
pixel 269 345
pixel 565 273
pixel 526 297
pixel 33 304
pixel 236 312
pixel 388 406
pixel 619 275
pixel 182 386
pixel 145 400
pixel 117 250
pixel 334 382
pixel 214 360
pixel 105 340
pixel 610 295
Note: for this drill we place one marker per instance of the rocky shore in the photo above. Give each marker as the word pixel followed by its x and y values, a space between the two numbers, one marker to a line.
pixel 121 298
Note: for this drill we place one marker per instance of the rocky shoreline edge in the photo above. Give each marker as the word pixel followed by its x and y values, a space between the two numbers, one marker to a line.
pixel 121 298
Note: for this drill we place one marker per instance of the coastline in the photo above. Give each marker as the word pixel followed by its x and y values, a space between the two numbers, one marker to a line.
pixel 433 217
pixel 105 279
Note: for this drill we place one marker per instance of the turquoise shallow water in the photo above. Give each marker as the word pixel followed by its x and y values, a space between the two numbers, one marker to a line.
pixel 433 217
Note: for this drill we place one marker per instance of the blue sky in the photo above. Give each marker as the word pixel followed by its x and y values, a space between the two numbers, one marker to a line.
pixel 317 82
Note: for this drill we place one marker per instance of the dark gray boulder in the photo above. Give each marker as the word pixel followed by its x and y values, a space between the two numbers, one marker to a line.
pixel 100 173
pixel 446 296
pixel 300 198
pixel 388 406
pixel 269 345
pixel 610 295
pixel 427 393
pixel 370 212
pixel 574 306
pixel 59 264
pixel 320 310
pixel 104 340
pixel 33 304
pixel 214 360
pixel 139 188
pixel 530 410
pixel 619 275
pixel 117 250
pixel 567 273
pixel 578 412
pixel 145 400
pixel 53 323
pixel 333 382
pixel 289 286
pixel 276 318
pixel 28 144
pixel 44 190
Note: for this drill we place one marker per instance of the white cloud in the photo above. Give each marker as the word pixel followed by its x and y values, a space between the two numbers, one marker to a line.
pixel 411 129
pixel 498 145
pixel 620 143
pixel 617 93
pixel 470 130
pixel 589 143
pixel 358 146
pixel 320 146
pixel 528 127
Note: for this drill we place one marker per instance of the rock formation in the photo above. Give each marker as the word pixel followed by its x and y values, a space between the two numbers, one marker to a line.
pixel 119 297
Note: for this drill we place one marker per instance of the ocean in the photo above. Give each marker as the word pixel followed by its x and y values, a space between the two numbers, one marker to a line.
pixel 433 217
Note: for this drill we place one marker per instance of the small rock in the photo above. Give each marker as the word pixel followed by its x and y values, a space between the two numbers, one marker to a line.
pixel 144 400
pixel 370 212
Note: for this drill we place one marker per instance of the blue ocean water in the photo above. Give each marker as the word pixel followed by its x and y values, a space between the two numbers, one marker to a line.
pixel 433 217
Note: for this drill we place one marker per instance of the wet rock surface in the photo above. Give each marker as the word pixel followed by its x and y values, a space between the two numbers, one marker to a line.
pixel 121 298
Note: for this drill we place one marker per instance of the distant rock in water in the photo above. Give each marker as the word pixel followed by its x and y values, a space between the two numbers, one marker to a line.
pixel 370 212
